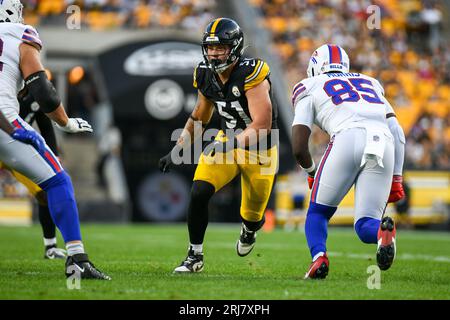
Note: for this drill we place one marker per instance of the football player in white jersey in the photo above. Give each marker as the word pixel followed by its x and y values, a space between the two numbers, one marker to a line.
pixel 20 60
pixel 366 149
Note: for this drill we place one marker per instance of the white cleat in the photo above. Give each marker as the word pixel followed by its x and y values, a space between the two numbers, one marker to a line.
pixel 52 252
pixel 246 241
pixel 192 263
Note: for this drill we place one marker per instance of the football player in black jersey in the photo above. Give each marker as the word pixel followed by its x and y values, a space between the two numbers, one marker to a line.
pixel 30 112
pixel 239 89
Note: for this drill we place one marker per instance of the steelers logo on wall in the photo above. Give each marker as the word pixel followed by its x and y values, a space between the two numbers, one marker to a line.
pixel 164 99
pixel 163 197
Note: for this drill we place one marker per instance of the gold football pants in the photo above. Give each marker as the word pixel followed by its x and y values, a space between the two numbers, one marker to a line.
pixel 33 188
pixel 257 171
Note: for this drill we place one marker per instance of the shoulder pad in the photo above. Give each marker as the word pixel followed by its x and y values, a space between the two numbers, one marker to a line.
pixel 378 85
pixel 199 72
pixel 256 71
pixel 300 90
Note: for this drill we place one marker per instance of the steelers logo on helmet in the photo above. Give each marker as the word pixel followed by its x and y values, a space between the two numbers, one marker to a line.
pixel 223 31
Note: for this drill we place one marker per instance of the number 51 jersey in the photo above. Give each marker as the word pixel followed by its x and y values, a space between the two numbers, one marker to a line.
pixel 12 35
pixel 338 101
pixel 229 99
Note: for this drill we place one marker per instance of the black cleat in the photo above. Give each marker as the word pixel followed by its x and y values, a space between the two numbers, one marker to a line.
pixel 192 263
pixel 80 264
pixel 246 241
pixel 386 243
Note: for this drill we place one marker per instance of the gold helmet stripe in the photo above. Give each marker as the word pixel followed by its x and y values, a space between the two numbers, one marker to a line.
pixel 214 26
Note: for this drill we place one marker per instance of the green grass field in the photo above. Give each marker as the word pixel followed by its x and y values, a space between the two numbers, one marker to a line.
pixel 140 259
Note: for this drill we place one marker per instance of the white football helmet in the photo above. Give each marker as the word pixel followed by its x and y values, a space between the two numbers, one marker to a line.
pixel 11 11
pixel 326 58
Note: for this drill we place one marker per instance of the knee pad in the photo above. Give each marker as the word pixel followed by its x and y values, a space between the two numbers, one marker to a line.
pixel 326 211
pixel 202 190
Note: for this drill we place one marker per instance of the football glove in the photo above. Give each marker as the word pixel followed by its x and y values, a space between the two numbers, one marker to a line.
pixel 165 162
pixel 30 137
pixel 397 191
pixel 75 125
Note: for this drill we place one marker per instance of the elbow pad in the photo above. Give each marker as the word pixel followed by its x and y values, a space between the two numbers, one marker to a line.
pixel 43 91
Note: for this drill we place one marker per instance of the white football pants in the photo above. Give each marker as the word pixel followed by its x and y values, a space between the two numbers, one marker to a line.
pixel 341 167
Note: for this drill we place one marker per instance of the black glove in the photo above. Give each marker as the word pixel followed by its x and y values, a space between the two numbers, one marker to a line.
pixel 165 162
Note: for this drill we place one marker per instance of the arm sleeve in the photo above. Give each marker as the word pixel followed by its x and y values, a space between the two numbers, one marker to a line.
pixel 399 141
pixel 304 112
pixel 47 131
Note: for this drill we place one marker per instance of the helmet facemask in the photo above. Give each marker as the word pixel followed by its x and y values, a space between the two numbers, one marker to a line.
pixel 218 65
pixel 11 11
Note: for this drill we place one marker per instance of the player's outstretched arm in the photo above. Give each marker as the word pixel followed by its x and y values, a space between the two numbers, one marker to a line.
pixel 301 131
pixel 44 92
pixel 202 112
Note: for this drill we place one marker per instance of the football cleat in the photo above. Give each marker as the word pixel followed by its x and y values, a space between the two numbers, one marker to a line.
pixel 192 263
pixel 52 252
pixel 80 264
pixel 386 243
pixel 246 241
pixel 318 268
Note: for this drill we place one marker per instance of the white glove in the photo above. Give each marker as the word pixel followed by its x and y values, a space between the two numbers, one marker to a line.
pixel 75 125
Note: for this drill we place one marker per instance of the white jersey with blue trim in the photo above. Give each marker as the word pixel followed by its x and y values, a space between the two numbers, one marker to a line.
pixel 338 101
pixel 12 35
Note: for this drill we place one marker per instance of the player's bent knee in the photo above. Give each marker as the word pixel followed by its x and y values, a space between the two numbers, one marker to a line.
pixel 366 228
pixel 60 180
pixel 202 190
pixel 317 208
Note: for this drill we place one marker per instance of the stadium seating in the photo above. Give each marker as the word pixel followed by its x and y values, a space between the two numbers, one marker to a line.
pixel 415 75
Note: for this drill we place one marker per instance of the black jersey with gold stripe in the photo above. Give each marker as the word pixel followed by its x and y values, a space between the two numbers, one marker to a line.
pixel 229 99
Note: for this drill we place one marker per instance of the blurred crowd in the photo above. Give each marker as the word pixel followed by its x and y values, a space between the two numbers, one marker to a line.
pixel 405 49
pixel 110 14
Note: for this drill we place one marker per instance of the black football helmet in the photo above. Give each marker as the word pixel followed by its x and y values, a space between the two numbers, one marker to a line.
pixel 227 32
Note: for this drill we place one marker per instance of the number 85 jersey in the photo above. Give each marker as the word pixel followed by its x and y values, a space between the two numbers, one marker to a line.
pixel 338 101
pixel 229 99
